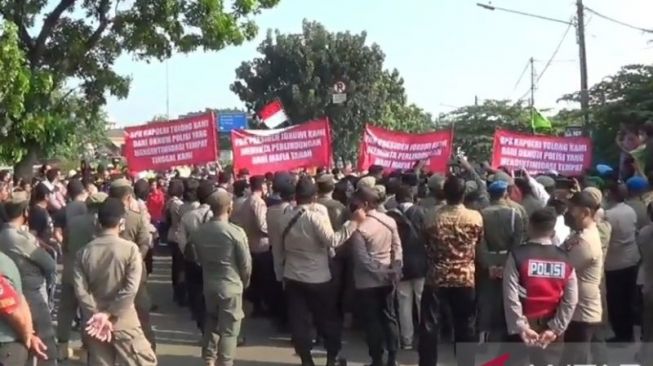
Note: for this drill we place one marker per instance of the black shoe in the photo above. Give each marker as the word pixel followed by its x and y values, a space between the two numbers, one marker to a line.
pixel 308 361
pixel 336 361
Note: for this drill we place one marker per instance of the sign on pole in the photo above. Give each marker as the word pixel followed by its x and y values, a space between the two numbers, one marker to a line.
pixel 231 121
pixel 574 131
pixel 339 93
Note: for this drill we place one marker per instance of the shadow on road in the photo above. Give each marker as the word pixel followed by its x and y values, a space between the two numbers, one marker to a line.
pixel 180 360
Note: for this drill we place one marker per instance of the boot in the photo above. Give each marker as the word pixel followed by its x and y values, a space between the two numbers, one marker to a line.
pixel 336 361
pixel 376 362
pixel 64 351
pixel 307 360
pixel 392 360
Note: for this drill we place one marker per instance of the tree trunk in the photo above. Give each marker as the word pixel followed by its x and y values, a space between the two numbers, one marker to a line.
pixel 25 167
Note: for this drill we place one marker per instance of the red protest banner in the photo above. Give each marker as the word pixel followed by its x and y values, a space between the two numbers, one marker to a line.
pixel 162 145
pixel 301 146
pixel 539 154
pixel 399 150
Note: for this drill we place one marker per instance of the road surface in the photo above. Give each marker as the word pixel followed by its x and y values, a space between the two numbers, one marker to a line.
pixel 178 339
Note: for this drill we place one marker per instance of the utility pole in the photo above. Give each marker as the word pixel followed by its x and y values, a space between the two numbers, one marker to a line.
pixel 475 109
pixel 167 90
pixel 579 24
pixel 584 89
pixel 532 102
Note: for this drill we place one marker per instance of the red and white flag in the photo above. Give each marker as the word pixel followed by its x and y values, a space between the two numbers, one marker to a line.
pixel 273 114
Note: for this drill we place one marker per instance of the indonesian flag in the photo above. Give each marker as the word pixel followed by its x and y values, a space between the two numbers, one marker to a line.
pixel 273 114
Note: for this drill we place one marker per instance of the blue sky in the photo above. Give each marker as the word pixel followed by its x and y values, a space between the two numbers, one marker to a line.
pixel 448 51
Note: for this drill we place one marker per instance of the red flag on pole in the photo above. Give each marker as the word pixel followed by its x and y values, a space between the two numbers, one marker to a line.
pixel 273 114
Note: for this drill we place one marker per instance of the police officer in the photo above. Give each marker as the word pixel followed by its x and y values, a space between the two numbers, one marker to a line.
pixel 306 238
pixel 341 264
pixel 226 264
pixel 190 221
pixel 107 276
pixel 503 231
pixel 79 231
pixel 137 231
pixel 17 336
pixel 35 265
pixel 540 293
pixel 503 177
pixel 337 211
pixel 284 189
pixel 435 198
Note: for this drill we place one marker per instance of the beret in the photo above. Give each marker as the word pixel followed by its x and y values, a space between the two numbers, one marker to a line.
pixel 502 176
pixel 546 181
pixel 97 198
pixel 121 182
pixel 326 178
pixel 595 193
pixel 368 182
pixel 435 181
pixel 636 183
pixel 219 198
pixel 18 198
pixel 498 186
pixel 604 169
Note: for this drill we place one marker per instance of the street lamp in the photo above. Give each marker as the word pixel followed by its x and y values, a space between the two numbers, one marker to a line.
pixel 580 29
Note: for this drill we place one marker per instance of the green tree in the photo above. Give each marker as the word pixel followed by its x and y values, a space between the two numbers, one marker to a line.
pixel 77 44
pixel 474 125
pixel 623 99
pixel 301 70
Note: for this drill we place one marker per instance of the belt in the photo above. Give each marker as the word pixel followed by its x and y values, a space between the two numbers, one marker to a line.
pixel 498 251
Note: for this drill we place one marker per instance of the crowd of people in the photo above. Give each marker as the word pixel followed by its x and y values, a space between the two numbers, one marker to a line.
pixel 558 265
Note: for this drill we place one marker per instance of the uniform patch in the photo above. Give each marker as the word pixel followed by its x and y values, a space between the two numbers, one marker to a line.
pixel 546 269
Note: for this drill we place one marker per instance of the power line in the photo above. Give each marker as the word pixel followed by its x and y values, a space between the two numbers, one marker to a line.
pixel 555 53
pixel 618 21
pixel 528 63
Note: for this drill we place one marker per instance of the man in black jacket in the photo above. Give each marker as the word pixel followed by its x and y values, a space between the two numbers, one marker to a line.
pixel 409 290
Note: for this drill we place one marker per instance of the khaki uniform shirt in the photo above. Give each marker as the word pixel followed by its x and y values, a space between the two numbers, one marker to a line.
pixel 190 222
pixel 337 211
pixel 251 216
pixel 33 262
pixel 638 204
pixel 79 231
pixel 522 212
pixel 645 241
pixel 108 272
pixel 273 217
pixel 185 208
pixel 225 259
pixel 11 273
pixel 137 230
pixel 304 253
pixel 173 213
pixel 586 255
pixel 377 251
pixel 502 226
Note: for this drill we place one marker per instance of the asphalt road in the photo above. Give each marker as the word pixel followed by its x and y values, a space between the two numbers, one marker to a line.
pixel 178 339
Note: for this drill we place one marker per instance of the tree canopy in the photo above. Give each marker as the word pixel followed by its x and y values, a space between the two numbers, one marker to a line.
pixel 624 99
pixel 69 57
pixel 301 70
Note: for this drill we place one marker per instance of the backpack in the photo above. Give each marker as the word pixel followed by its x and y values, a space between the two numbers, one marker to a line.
pixel 412 245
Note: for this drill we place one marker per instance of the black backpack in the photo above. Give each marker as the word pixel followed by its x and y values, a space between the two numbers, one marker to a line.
pixel 412 245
